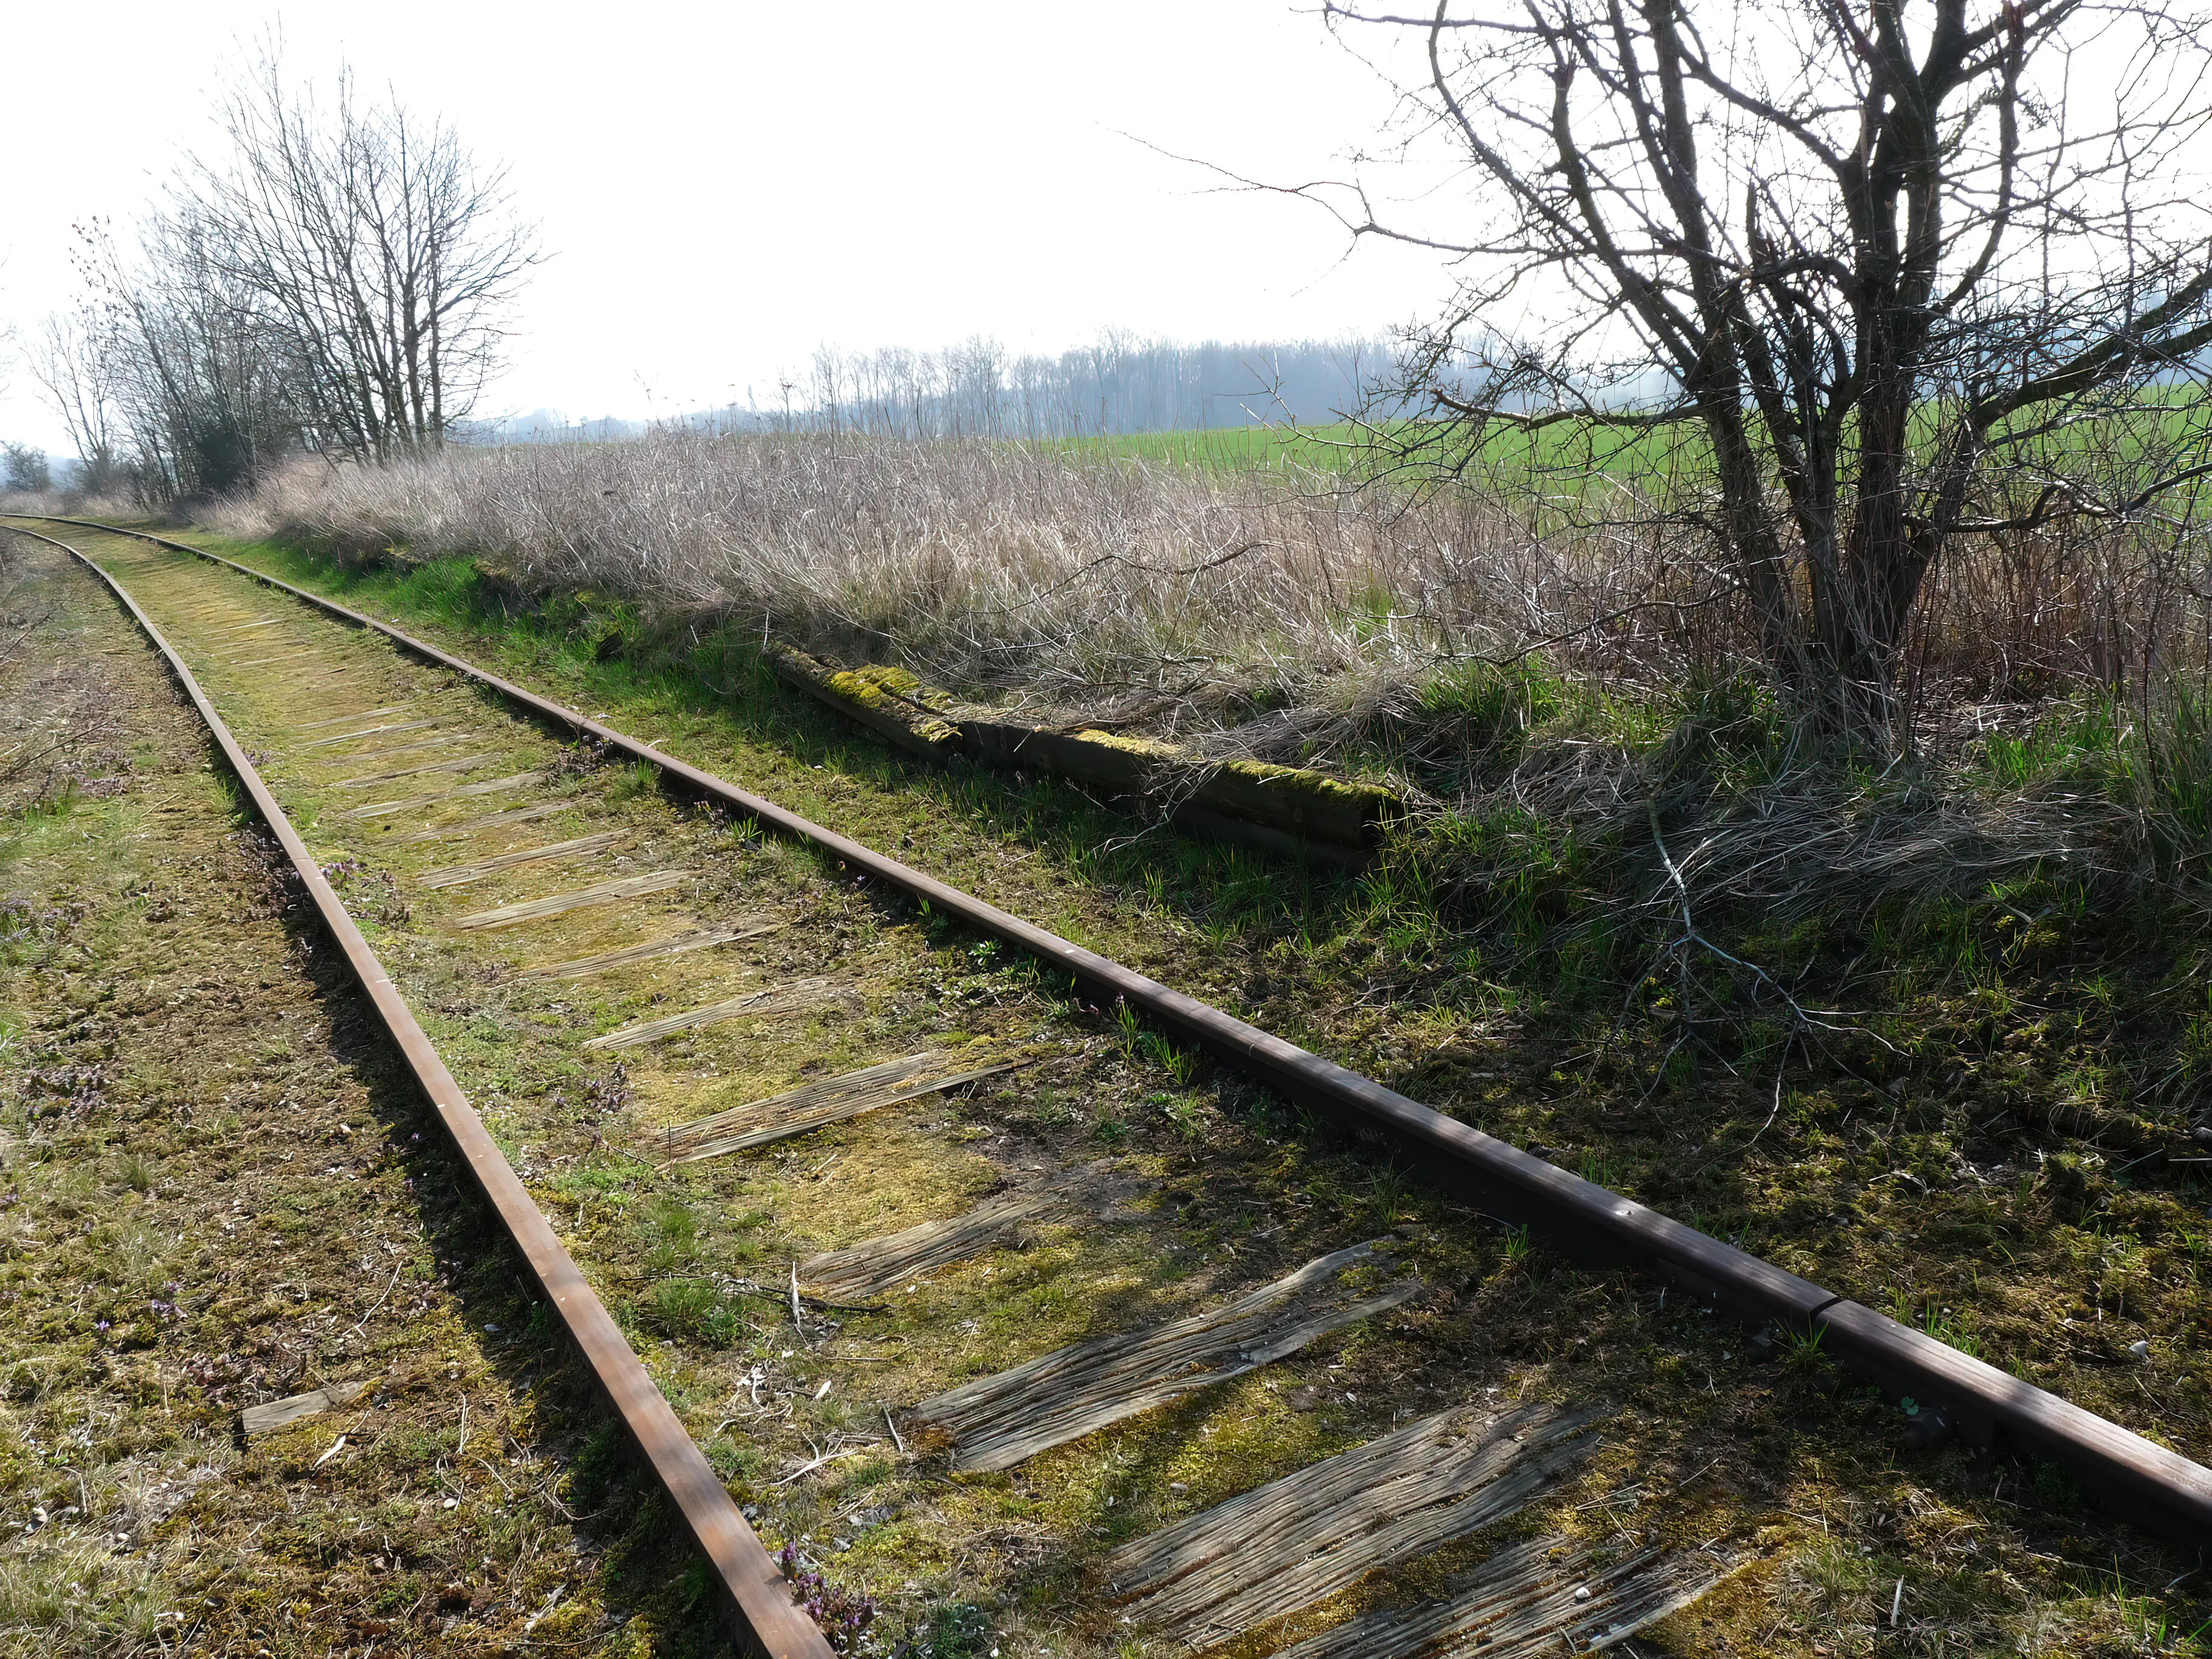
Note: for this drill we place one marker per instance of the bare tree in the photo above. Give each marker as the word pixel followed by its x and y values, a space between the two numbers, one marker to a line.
pixel 1880 274
pixel 336 282
pixel 72 359
pixel 388 255
pixel 1123 384
pixel 204 387
pixel 23 466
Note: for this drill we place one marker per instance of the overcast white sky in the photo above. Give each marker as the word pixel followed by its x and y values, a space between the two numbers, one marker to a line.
pixel 723 187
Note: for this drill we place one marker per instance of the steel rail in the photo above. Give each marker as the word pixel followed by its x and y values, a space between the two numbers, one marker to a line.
pixel 756 1596
pixel 2154 1487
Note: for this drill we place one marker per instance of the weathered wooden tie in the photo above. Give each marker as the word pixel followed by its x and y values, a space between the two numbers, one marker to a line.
pixel 827 1100
pixel 416 803
pixel 794 997
pixel 368 732
pixel 877 1265
pixel 698 939
pixel 607 892
pixel 346 677
pixel 455 875
pixel 232 652
pixel 358 715
pixel 453 764
pixel 1304 1538
pixel 995 1422
pixel 377 754
pixel 544 809
pixel 1541 1598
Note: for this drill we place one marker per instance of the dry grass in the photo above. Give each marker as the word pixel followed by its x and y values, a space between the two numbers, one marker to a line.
pixel 1089 580
pixel 1578 677
pixel 73 503
pixel 993 566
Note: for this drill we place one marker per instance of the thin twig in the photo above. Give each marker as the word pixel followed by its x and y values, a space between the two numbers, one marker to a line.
pixel 1690 935
pixel 380 1301
pixel 808 1468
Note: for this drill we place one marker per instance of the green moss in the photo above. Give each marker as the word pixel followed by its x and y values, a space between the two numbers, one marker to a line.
pixel 870 683
pixel 1128 745
pixel 1290 779
pixel 1319 784
pixel 892 693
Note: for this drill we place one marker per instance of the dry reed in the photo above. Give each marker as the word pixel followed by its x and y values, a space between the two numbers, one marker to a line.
pixel 1068 579
pixel 1058 578
pixel 1283 615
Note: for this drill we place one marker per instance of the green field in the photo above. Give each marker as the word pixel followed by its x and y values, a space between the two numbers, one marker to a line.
pixel 1324 449
pixel 2158 434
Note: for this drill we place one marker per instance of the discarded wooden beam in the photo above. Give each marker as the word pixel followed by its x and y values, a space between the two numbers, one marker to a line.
pixel 1301 1539
pixel 995 1422
pixel 554 904
pixel 794 997
pixel 1277 808
pixel 1202 825
pixel 888 701
pixel 278 1413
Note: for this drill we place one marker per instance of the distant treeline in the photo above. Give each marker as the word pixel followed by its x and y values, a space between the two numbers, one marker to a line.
pixel 1121 384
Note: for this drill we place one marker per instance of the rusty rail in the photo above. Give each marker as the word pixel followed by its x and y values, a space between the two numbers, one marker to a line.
pixel 756 1596
pixel 2158 1489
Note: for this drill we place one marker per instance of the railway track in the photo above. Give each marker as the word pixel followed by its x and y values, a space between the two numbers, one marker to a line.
pixel 1134 1399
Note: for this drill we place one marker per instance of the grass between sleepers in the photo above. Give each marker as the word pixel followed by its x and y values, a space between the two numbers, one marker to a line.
pixel 1982 1146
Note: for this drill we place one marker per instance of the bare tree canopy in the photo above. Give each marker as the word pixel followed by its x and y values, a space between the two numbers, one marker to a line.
pixel 70 360
pixel 384 252
pixel 333 279
pixel 204 390
pixel 1876 275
